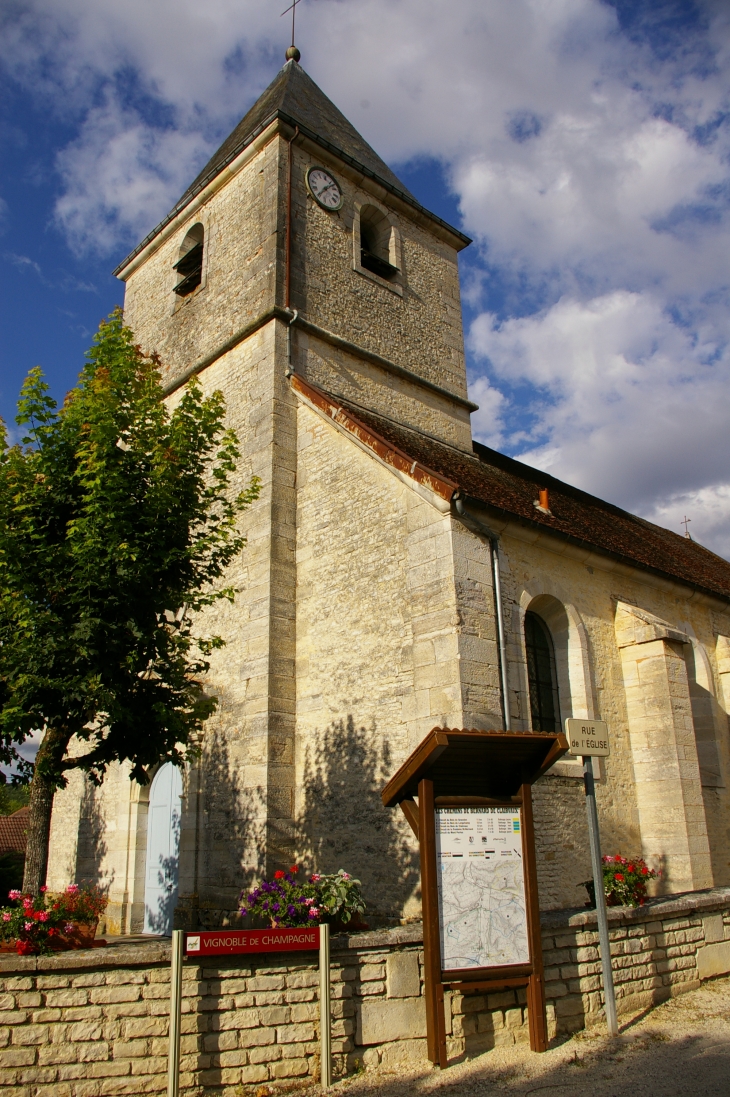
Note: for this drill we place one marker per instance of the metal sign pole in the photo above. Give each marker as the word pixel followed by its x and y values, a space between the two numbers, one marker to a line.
pixel 604 940
pixel 173 1055
pixel 325 1008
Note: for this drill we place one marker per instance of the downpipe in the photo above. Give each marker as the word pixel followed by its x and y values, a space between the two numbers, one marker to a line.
pixel 287 284
pixel 480 528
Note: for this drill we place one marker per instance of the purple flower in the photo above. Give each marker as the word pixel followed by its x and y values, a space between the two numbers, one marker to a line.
pixel 291 909
pixel 243 912
pixel 275 907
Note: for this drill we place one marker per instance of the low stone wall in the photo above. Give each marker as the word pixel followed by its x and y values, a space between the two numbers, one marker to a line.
pixel 94 1023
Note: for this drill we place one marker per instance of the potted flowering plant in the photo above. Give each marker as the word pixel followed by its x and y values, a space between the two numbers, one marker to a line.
pixel 624 881
pixel 80 908
pixel 341 899
pixel 288 901
pixel 42 924
pixel 283 901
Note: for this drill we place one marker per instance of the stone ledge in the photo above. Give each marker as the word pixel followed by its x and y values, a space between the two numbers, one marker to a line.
pixel 140 951
pixel 689 902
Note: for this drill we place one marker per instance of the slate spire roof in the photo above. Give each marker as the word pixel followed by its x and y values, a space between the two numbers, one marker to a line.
pixel 293 97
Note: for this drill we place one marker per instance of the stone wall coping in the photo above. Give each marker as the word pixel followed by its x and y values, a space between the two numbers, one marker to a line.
pixel 145 952
pixel 663 906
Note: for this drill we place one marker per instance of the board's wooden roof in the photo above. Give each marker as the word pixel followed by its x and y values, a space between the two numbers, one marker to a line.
pixel 467 762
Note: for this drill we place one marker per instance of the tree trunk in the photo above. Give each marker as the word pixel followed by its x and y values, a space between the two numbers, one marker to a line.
pixel 42 789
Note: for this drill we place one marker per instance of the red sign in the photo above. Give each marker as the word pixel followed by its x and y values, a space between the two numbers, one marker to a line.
pixel 222 942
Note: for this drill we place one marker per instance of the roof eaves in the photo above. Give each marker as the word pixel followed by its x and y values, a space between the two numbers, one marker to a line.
pixel 386 451
pixel 582 542
pixel 312 136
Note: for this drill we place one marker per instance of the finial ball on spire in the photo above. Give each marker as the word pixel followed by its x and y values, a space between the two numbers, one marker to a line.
pixel 293 54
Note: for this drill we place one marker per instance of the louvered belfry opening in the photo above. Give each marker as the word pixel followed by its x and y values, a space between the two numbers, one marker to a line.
pixel 375 243
pixel 190 264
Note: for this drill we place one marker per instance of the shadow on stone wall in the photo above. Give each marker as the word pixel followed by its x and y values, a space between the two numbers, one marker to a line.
pixel 341 821
pixel 222 822
pixel 92 847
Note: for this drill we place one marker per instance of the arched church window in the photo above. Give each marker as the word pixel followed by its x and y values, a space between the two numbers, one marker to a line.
pixel 376 243
pixel 541 675
pixel 190 264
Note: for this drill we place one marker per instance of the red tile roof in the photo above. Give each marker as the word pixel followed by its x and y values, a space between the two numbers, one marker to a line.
pixel 13 828
pixel 511 488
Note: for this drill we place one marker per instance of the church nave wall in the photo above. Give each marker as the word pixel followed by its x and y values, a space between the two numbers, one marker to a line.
pixel 631 823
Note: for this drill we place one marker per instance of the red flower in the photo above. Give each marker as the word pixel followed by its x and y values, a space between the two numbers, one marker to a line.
pixel 279 875
pixel 294 868
pixel 631 868
pixel 619 876
pixel 645 871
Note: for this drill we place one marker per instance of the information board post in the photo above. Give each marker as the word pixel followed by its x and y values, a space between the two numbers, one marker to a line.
pixel 476 839
pixel 433 987
pixel 173 1055
pixel 597 863
pixel 325 1007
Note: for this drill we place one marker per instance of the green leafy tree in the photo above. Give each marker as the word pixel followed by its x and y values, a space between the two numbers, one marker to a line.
pixel 117 522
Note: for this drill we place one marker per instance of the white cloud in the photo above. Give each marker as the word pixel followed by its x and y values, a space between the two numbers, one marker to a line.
pixel 627 403
pixel 118 174
pixel 591 170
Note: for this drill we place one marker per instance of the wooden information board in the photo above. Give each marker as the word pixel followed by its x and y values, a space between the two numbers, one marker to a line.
pixel 474 824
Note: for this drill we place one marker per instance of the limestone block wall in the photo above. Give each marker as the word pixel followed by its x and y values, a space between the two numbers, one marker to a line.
pixel 95 1023
pixel 395 634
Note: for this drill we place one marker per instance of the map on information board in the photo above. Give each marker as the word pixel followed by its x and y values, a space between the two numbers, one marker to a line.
pixel 481 887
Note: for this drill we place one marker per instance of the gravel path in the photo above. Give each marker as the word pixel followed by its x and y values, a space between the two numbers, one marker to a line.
pixel 678 1049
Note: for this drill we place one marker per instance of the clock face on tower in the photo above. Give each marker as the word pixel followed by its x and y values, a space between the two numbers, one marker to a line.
pixel 324 188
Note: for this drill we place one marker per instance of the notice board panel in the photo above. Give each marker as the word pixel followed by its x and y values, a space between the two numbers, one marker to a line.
pixel 481 887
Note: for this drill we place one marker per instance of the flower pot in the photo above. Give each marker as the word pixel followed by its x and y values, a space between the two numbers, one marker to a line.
pixel 81 935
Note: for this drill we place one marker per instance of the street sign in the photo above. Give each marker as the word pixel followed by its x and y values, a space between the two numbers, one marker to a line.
pixel 228 942
pixel 587 738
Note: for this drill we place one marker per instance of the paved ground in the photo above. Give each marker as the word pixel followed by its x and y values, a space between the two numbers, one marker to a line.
pixel 679 1049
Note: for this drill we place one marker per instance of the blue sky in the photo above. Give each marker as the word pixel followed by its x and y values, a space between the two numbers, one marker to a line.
pixel 584 145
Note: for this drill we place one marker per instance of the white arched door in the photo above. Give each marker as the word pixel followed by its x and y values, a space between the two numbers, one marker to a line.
pixel 163 850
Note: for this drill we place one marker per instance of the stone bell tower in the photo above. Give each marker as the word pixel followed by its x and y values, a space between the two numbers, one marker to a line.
pixel 295 253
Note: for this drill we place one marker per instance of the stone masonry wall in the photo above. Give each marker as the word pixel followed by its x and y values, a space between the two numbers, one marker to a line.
pixel 95 1023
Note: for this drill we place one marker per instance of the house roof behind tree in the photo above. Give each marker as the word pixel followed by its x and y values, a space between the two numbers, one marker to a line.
pixel 13 831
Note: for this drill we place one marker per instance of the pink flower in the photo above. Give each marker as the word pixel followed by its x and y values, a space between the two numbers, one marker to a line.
pixel 68 927
pixel 72 889
pixel 315 877
pixel 7 916
pixel 14 894
pixel 345 875
pixel 43 916
pixel 43 890
pixel 28 925
pixel 309 901
pixel 314 912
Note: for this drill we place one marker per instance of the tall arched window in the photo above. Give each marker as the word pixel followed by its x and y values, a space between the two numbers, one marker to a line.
pixel 541 675
pixel 190 264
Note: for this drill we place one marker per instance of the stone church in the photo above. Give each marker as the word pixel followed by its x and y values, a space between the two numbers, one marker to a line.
pixel 398 574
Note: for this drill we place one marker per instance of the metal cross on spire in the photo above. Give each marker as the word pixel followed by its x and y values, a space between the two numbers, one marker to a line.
pixel 292 54
pixel 685 522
